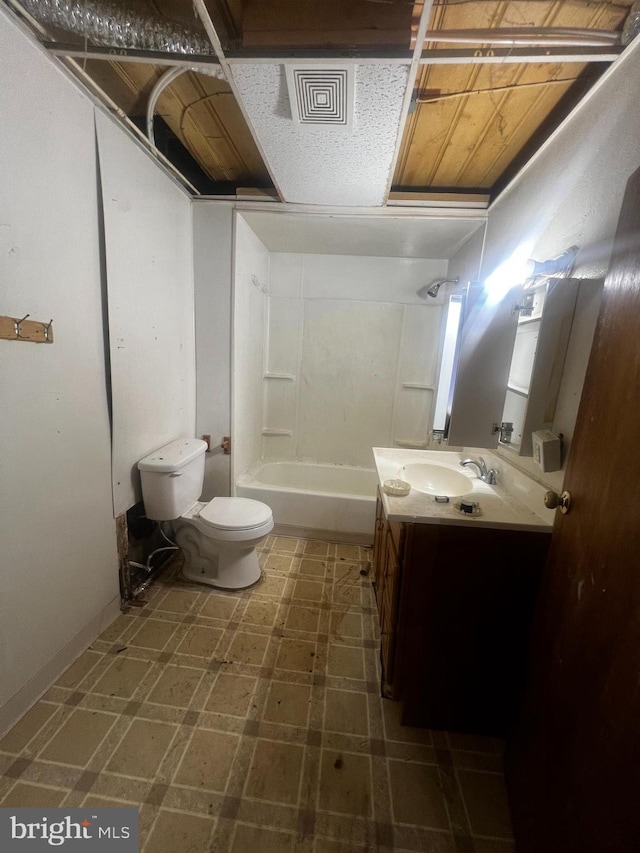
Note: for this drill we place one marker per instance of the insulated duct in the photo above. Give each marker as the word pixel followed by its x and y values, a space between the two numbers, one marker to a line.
pixel 632 24
pixel 113 26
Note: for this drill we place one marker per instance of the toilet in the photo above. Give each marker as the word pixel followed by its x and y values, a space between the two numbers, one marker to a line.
pixel 218 538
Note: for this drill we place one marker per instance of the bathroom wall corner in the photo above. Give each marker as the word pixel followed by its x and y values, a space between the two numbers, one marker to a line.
pixel 212 265
pixel 250 316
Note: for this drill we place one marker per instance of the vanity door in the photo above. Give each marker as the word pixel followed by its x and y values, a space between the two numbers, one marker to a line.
pixel 389 608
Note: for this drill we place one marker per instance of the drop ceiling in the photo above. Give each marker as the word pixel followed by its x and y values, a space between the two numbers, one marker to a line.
pixel 437 107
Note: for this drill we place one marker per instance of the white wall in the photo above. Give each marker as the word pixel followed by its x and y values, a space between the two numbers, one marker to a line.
pixel 251 277
pixel 570 193
pixel 352 354
pixel 59 574
pixel 149 257
pixel 212 268
pixel 465 264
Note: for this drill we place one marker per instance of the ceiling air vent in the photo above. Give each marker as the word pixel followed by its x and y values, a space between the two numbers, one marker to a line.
pixel 321 96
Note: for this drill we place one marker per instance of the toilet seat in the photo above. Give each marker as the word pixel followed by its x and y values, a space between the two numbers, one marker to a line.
pixel 235 514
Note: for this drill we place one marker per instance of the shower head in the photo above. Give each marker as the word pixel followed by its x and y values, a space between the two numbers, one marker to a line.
pixel 432 289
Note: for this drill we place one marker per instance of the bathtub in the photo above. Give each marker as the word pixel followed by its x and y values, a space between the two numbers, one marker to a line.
pixel 319 498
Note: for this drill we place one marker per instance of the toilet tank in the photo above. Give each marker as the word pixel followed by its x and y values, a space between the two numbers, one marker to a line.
pixel 172 478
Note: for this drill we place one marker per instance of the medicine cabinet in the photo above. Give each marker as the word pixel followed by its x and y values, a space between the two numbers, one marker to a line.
pixel 508 364
pixel 537 362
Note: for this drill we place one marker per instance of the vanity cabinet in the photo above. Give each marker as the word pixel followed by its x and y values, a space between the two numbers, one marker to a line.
pixel 455 604
pixel 388 541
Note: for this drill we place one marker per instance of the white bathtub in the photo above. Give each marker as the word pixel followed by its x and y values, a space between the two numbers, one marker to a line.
pixel 322 499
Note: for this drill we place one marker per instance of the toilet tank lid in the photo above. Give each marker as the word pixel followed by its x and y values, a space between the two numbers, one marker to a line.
pixel 173 456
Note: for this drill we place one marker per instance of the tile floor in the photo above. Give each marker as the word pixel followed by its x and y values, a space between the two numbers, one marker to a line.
pixel 251 722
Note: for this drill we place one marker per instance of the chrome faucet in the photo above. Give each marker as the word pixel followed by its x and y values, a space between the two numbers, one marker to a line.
pixel 487 475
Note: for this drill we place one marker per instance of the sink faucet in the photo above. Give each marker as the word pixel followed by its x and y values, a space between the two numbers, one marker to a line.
pixel 487 475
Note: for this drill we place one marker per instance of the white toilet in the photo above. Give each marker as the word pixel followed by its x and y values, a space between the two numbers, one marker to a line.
pixel 218 538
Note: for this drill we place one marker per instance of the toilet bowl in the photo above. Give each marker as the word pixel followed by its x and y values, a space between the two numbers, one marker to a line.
pixel 219 541
pixel 218 538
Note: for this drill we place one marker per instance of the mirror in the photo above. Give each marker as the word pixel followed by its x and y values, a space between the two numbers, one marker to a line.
pixel 545 316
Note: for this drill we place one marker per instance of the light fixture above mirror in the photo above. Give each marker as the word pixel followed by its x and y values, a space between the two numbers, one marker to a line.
pixel 559 267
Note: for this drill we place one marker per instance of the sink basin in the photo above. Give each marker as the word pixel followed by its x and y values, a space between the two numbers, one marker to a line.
pixel 436 479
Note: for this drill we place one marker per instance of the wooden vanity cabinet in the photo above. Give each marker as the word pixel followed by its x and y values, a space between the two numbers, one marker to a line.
pixel 455 604
pixel 388 541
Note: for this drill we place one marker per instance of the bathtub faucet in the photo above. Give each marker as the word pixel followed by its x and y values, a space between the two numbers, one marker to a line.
pixel 487 475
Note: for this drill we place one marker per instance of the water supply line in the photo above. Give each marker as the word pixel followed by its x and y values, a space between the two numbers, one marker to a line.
pixel 527 36
pixel 170 547
pixel 160 85
pixel 165 80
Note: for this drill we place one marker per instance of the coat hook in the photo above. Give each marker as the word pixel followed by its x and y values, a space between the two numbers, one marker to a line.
pixel 46 329
pixel 17 325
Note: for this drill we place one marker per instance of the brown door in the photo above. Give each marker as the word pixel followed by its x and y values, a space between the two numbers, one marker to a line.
pixel 573 762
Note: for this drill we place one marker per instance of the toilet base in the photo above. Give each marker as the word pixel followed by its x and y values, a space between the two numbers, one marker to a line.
pixel 239 573
pixel 231 566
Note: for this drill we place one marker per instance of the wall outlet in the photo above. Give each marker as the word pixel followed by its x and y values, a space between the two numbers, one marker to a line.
pixel 546 450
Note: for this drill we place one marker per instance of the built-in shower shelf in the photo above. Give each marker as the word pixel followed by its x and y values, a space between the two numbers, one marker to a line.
pixel 267 431
pixel 518 389
pixel 418 386
pixel 289 377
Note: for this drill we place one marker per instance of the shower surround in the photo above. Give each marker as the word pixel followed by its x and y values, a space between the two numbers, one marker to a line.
pixel 333 355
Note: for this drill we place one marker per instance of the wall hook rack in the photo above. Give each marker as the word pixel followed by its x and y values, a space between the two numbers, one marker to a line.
pixel 18 325
pixel 23 329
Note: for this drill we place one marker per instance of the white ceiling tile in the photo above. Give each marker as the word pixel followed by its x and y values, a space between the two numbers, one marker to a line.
pixel 327 165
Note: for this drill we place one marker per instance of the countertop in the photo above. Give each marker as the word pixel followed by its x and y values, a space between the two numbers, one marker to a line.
pixel 514 503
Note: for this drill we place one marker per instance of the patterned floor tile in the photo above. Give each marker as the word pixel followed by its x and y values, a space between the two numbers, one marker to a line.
pixel 253 720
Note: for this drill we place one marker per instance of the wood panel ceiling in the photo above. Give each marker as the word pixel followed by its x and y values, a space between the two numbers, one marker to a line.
pixel 472 125
pixel 472 121
pixel 200 110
